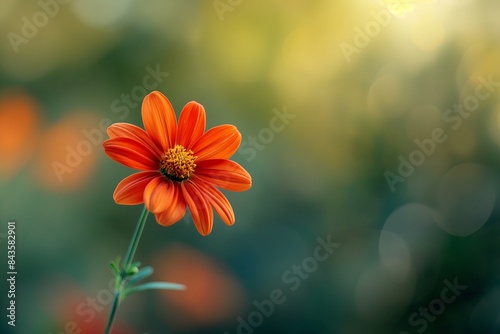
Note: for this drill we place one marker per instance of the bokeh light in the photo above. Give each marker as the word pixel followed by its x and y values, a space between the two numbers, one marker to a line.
pixel 212 293
pixel 19 128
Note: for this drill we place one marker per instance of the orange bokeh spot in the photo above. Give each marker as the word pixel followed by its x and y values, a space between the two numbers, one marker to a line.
pixel 212 294
pixel 19 116
pixel 67 157
pixel 75 311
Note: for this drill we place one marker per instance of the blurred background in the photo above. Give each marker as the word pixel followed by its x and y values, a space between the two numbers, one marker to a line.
pixel 371 130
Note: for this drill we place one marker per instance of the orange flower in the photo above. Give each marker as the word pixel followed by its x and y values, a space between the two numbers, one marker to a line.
pixel 181 164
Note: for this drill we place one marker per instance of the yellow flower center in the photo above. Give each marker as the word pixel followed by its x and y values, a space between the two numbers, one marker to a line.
pixel 177 163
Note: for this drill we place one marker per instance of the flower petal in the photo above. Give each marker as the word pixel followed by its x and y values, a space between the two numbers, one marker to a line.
pixel 134 132
pixel 200 209
pixel 191 124
pixel 217 200
pixel 159 119
pixel 176 210
pixel 219 142
pixel 225 174
pixel 159 194
pixel 131 153
pixel 130 190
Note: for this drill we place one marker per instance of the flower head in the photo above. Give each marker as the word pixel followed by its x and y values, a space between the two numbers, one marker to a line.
pixel 181 165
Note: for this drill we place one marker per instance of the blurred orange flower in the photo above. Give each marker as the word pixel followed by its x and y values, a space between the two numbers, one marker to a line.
pixel 181 164
pixel 19 120
pixel 213 293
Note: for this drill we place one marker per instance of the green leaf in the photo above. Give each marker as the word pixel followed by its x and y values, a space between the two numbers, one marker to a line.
pixel 132 271
pixel 114 268
pixel 142 274
pixel 154 286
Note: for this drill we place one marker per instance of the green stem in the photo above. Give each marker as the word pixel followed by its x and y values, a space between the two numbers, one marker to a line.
pixel 126 265
pixel 111 318
pixel 135 238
